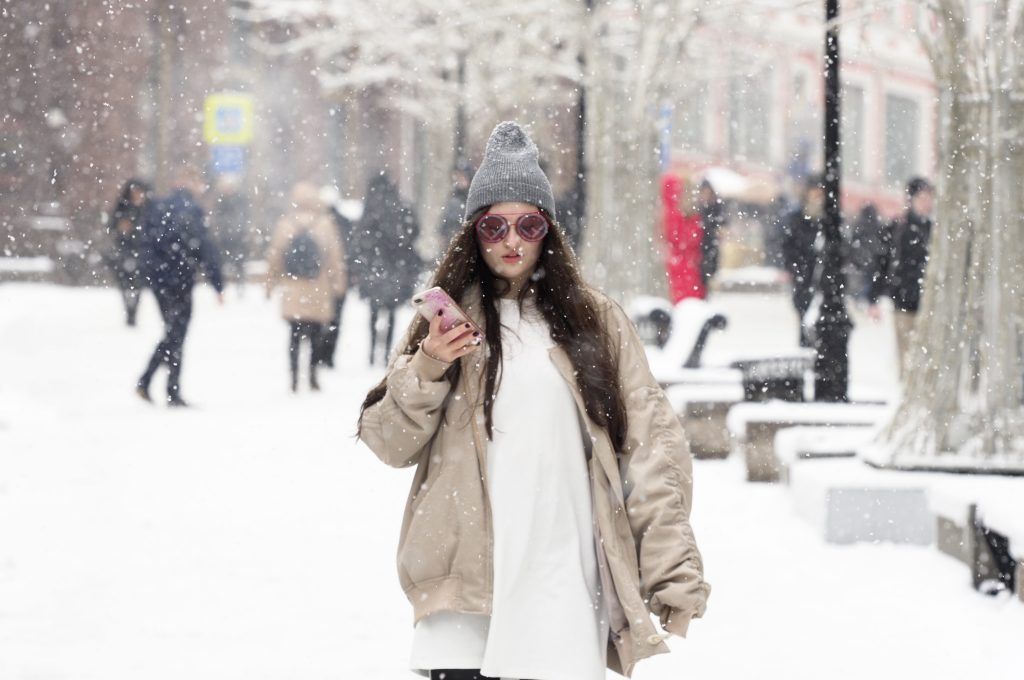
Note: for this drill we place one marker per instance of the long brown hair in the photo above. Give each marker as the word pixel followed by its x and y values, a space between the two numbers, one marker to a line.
pixel 570 311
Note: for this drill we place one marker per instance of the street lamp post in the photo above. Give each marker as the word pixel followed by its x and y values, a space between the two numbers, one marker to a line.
pixel 833 325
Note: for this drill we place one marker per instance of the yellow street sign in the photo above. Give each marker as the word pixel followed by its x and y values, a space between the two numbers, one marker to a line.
pixel 227 118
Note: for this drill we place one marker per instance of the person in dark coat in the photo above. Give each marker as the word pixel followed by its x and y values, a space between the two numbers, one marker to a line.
pixel 799 251
pixel 229 222
pixel 774 228
pixel 176 245
pixel 864 237
pixel 125 228
pixel 455 206
pixel 712 216
pixel 390 264
pixel 900 266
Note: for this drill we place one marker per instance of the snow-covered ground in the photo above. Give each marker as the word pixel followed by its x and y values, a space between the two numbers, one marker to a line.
pixel 252 538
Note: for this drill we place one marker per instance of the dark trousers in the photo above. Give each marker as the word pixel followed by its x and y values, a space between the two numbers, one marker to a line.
pixel 459 674
pixel 329 337
pixel 375 309
pixel 309 331
pixel 176 310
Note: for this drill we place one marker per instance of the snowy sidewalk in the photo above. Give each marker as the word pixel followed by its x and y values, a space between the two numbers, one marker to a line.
pixel 252 538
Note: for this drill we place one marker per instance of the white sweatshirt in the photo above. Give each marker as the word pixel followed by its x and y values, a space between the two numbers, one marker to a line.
pixel 548 617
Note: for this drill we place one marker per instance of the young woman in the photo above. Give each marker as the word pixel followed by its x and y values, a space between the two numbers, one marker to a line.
pixel 549 513
pixel 125 231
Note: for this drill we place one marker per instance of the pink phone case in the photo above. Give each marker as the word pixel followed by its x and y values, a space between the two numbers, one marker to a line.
pixel 435 299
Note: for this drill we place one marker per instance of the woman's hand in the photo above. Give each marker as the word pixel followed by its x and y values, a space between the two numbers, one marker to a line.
pixel 447 347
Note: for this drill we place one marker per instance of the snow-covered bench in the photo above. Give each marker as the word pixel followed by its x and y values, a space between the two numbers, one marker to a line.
pixel 848 501
pixel 750 280
pixel 701 394
pixel 26 268
pixel 702 409
pixel 678 360
pixel 809 443
pixel 753 425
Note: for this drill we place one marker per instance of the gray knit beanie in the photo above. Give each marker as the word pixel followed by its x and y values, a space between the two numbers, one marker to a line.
pixel 510 173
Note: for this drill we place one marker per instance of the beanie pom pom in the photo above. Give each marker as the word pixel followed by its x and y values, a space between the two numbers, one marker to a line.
pixel 509 137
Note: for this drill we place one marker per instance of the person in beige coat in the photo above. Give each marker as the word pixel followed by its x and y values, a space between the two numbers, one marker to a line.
pixel 548 517
pixel 307 260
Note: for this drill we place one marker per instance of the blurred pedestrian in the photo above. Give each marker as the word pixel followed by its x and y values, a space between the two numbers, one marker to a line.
pixel 455 206
pixel 177 244
pixel 229 222
pixel 864 238
pixel 712 217
pixel 800 250
pixel 773 224
pixel 900 266
pixel 391 266
pixel 307 260
pixel 125 229
pixel 683 232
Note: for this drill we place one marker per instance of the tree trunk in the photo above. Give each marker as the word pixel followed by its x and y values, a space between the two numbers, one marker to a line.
pixel 962 402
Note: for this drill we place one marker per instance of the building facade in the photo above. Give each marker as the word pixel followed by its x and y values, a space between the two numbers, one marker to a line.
pixel 758 106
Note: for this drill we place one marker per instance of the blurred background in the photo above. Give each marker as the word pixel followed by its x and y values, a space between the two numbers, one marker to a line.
pixel 812 213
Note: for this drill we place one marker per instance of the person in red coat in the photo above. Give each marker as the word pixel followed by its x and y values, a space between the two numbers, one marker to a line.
pixel 683 234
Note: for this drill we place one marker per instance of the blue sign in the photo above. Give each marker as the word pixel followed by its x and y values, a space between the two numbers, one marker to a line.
pixel 665 138
pixel 227 160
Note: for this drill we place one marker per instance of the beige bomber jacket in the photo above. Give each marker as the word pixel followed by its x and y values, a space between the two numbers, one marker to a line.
pixel 647 555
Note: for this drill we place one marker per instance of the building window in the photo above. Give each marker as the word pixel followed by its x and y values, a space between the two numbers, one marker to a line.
pixel 749 117
pixel 901 126
pixel 853 132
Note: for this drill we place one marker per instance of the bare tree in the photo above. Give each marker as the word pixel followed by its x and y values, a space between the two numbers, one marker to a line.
pixel 517 58
pixel 636 50
pixel 962 402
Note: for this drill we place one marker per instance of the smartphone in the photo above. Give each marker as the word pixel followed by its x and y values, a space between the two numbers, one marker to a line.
pixel 434 300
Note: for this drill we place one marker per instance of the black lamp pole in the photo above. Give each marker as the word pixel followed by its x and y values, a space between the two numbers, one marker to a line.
pixel 832 364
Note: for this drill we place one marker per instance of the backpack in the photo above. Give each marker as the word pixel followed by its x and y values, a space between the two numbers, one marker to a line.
pixel 302 259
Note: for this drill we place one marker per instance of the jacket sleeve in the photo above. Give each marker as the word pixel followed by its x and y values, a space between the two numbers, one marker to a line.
pixel 399 427
pixel 657 474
